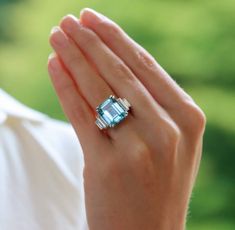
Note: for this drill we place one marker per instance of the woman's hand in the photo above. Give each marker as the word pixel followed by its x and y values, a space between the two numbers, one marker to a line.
pixel 139 174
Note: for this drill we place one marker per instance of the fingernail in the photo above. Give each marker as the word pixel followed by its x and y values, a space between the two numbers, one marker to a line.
pixel 53 63
pixel 71 16
pixel 68 22
pixel 58 37
pixel 51 56
pixel 55 29
pixel 92 15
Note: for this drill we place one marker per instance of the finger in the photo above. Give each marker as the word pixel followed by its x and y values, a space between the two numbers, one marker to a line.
pixel 156 80
pixel 75 107
pixel 93 88
pixel 113 70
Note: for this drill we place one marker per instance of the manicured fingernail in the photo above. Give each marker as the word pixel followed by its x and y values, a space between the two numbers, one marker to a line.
pixel 68 23
pixel 55 29
pixel 92 15
pixel 58 38
pixel 51 56
pixel 71 16
pixel 53 63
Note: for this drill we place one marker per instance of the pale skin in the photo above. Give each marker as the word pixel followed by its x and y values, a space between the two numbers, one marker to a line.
pixel 139 174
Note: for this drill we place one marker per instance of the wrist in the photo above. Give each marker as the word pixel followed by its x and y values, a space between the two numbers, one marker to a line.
pixel 173 218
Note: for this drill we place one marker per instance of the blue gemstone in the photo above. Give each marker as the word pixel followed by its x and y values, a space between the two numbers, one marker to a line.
pixel 111 111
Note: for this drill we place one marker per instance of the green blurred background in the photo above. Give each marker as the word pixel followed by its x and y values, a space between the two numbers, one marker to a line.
pixel 193 40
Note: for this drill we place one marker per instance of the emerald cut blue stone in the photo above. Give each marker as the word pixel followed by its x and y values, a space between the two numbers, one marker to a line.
pixel 111 111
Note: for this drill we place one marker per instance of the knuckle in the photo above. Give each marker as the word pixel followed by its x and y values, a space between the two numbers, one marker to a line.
pixel 142 164
pixel 141 153
pixel 88 38
pixel 173 137
pixel 79 115
pixel 64 89
pixel 196 121
pixel 73 61
pixel 200 118
pixel 122 71
pixel 110 28
pixel 144 60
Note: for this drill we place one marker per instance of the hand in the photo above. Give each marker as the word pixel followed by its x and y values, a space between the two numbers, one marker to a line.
pixel 139 174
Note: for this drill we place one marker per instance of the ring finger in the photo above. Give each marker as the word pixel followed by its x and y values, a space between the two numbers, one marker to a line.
pixel 93 88
pixel 114 71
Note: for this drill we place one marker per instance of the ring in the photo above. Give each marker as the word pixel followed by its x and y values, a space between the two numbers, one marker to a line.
pixel 111 112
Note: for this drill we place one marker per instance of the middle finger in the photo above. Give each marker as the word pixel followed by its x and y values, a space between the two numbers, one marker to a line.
pixel 114 71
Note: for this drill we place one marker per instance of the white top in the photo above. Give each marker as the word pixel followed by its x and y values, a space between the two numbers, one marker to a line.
pixel 41 166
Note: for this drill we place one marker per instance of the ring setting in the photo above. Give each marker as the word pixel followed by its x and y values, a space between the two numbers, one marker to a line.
pixel 111 112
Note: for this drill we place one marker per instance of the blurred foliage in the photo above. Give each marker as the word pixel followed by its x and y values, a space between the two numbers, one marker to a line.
pixel 193 40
